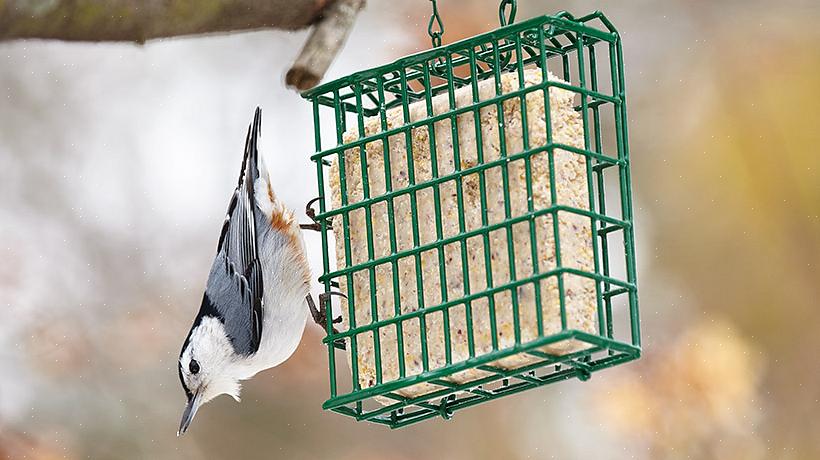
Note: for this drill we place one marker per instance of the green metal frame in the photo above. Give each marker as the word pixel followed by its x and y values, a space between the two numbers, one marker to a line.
pixel 586 53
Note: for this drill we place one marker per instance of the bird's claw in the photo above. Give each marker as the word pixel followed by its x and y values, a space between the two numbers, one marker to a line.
pixel 311 213
pixel 325 297
pixel 320 315
pixel 309 208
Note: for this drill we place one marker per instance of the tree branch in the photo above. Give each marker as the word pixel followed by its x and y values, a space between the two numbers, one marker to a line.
pixel 141 20
pixel 328 36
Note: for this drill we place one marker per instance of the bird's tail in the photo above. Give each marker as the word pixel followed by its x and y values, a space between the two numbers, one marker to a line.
pixel 255 177
pixel 250 162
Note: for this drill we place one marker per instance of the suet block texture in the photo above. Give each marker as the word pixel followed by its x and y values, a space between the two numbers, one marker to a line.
pixel 476 212
pixel 442 207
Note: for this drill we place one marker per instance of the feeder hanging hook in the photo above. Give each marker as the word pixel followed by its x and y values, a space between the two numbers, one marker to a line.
pixel 503 17
pixel 435 28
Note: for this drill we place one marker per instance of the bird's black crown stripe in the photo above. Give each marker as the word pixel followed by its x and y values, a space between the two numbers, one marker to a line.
pixel 188 392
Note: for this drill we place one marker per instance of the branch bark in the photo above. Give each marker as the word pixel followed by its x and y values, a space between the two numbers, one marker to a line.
pixel 139 21
pixel 323 44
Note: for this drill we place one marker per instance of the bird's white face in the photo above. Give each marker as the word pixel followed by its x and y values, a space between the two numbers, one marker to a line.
pixel 207 368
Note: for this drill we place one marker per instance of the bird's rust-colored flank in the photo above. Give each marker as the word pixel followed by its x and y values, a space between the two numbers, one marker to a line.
pixel 282 219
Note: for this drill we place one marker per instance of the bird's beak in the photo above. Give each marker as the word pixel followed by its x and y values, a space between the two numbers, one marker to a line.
pixel 190 411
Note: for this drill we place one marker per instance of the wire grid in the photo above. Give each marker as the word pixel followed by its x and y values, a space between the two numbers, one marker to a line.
pixel 586 53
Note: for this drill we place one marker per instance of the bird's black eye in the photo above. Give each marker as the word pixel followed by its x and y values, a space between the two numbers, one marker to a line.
pixel 193 366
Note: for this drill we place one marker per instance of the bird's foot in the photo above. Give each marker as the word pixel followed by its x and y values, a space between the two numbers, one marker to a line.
pixel 311 213
pixel 320 314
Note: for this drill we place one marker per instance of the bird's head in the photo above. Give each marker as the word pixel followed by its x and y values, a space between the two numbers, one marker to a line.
pixel 208 367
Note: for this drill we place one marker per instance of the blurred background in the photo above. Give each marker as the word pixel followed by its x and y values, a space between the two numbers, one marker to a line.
pixel 118 161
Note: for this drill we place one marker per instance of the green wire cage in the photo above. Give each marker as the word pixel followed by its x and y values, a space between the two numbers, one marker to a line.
pixel 477 199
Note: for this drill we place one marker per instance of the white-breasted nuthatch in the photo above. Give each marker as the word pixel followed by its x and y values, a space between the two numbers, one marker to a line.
pixel 254 310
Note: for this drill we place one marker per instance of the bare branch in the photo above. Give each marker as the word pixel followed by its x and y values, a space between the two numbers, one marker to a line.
pixel 139 21
pixel 142 20
pixel 328 36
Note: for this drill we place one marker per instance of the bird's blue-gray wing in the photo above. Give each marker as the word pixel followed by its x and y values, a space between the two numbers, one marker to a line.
pixel 234 288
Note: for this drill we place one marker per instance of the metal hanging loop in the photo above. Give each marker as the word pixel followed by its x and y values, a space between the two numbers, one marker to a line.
pixel 435 28
pixel 507 18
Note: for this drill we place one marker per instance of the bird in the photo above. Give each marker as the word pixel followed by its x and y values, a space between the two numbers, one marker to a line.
pixel 257 295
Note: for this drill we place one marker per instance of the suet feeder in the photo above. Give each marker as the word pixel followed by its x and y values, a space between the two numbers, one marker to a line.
pixel 477 198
